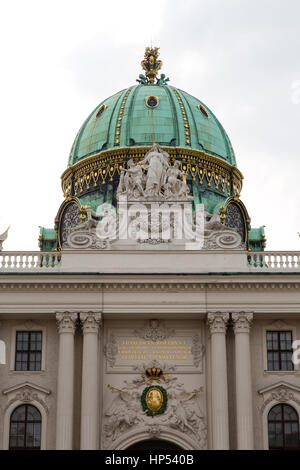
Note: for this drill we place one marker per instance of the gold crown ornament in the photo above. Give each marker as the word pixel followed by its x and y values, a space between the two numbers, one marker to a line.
pixel 156 374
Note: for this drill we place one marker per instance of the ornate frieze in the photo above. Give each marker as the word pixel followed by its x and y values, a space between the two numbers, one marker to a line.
pixel 168 285
pixel 217 322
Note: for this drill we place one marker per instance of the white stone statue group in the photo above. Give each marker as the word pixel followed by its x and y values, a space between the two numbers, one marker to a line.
pixel 153 178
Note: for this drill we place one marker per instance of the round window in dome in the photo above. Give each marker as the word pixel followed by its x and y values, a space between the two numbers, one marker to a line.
pixel 203 110
pixel 152 101
pixel 101 110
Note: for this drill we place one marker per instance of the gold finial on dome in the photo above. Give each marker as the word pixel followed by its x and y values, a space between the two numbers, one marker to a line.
pixel 151 64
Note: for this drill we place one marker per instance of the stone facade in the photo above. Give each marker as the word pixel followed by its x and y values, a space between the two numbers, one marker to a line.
pixel 206 331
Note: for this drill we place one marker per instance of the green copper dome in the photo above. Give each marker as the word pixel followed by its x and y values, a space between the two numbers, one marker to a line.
pixel 124 127
pixel 147 113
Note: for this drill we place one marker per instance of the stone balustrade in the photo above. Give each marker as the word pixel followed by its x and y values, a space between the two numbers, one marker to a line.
pixel 150 261
pixel 274 261
pixel 11 261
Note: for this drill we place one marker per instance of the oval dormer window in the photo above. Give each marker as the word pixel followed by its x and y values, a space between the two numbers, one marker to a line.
pixel 152 101
pixel 101 110
pixel 203 110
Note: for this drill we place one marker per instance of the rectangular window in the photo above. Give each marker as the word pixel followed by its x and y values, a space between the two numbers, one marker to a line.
pixel 28 350
pixel 279 350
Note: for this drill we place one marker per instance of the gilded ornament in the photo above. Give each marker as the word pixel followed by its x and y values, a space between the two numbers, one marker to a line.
pixel 187 141
pixel 154 373
pixel 151 65
pixel 154 400
pixel 75 179
pixel 121 112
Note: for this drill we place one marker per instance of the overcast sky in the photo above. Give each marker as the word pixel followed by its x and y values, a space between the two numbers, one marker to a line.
pixel 60 59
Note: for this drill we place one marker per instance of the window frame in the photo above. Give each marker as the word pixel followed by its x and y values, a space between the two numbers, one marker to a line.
pixel 283 422
pixel 279 350
pixel 277 325
pixel 28 351
pixel 25 422
pixel 27 326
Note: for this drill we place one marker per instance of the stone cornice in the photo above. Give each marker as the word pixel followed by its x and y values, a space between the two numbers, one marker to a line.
pixel 154 283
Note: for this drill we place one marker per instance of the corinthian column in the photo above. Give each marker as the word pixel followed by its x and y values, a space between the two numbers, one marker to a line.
pixel 89 397
pixel 242 322
pixel 66 324
pixel 217 323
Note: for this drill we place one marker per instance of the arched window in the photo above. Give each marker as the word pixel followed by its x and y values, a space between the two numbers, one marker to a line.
pixel 283 426
pixel 25 428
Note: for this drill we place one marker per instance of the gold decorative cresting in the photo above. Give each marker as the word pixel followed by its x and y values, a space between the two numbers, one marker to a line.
pixel 151 64
pixel 104 166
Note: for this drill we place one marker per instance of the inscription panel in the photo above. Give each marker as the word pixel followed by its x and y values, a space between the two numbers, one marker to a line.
pixel 126 348
pixel 167 350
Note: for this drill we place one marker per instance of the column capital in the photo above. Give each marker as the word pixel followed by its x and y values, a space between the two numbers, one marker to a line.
pixel 242 322
pixel 66 322
pixel 90 321
pixel 217 322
